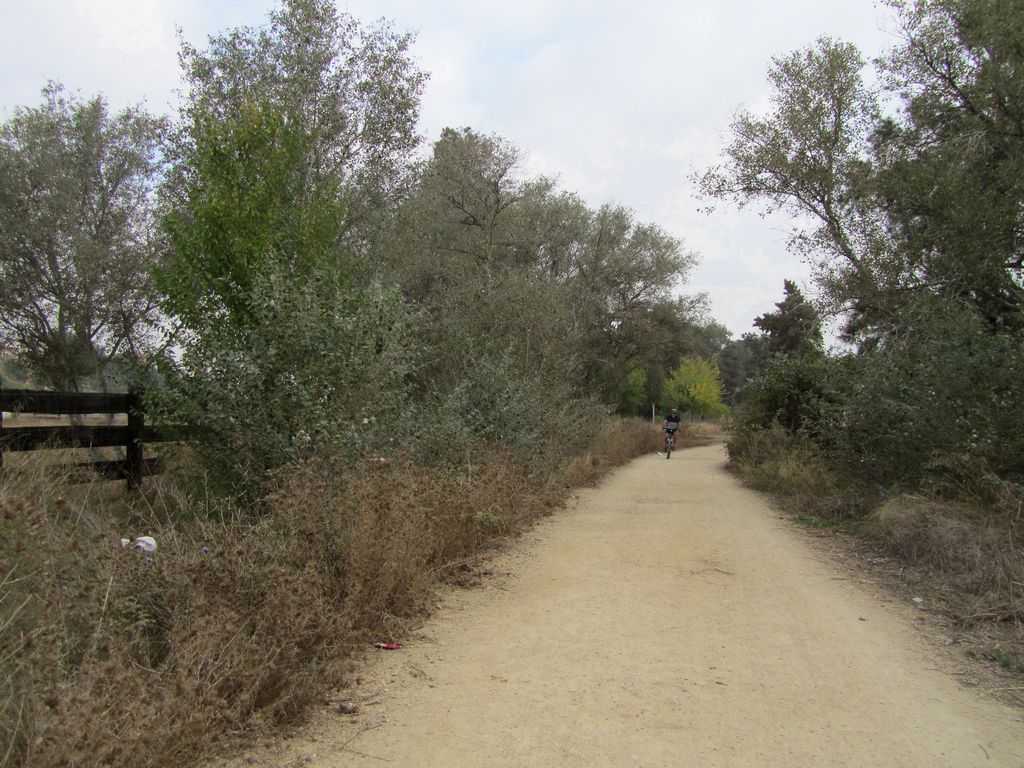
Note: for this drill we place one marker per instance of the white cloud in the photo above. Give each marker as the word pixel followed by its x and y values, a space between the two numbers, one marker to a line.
pixel 127 50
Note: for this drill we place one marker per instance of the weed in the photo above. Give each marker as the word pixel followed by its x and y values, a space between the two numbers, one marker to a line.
pixel 956 546
pixel 791 467
pixel 238 622
pixel 843 524
pixel 1005 660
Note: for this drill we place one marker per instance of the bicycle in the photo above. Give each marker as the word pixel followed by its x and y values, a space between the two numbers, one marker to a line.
pixel 670 442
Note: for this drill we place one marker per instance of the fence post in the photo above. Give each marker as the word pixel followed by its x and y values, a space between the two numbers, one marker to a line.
pixel 1 427
pixel 136 423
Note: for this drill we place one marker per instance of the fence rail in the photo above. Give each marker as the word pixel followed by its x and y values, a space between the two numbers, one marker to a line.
pixel 132 437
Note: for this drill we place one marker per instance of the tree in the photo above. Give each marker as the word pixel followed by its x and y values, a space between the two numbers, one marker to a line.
pixel 631 396
pixel 919 240
pixel 247 211
pixel 923 201
pixel 788 392
pixel 285 353
pixel 292 138
pixel 741 362
pixel 622 277
pixel 352 90
pixel 77 235
pixel 582 294
pixel 313 371
pixel 473 185
pixel 794 328
pixel 702 338
pixel 696 385
pixel 808 157
pixel 950 170
pixel 941 396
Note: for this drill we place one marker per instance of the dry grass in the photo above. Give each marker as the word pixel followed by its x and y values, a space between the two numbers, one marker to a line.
pixel 235 624
pixel 702 432
pixel 618 441
pixel 960 549
pixel 791 468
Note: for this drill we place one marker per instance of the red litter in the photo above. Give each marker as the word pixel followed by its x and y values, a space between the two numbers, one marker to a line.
pixel 387 646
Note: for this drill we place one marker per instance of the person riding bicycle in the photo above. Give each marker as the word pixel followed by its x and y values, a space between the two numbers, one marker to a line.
pixel 670 426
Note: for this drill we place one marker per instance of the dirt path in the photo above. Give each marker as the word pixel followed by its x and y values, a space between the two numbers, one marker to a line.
pixel 669 619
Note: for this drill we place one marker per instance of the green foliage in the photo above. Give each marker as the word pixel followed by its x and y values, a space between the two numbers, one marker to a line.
pixel 791 368
pixel 897 413
pixel 806 157
pixel 523 282
pixel 702 338
pixel 541 420
pixel 916 239
pixel 351 89
pixel 789 392
pixel 741 361
pixel 794 328
pixel 696 386
pixel 632 395
pixel 950 173
pixel 947 387
pixel 312 372
pixel 248 210
pixel 922 203
pixel 292 136
pixel 76 226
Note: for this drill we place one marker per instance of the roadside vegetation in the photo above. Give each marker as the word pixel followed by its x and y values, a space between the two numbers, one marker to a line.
pixel 911 430
pixel 238 622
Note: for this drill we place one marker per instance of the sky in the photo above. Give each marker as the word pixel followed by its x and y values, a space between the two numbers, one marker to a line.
pixel 621 102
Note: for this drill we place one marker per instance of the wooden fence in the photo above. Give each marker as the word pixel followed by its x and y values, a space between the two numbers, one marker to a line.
pixel 132 437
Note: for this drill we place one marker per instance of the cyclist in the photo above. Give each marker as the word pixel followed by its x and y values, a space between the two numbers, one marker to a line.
pixel 670 426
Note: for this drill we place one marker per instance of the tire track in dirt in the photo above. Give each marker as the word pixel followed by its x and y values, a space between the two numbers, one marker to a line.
pixel 669 618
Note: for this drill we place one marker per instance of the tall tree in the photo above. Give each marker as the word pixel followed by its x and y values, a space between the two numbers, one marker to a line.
pixel 951 168
pixel 77 234
pixel 807 157
pixel 292 138
pixel 923 201
pixel 919 237
pixel 247 211
pixel 794 328
pixel 352 90
pixel 586 292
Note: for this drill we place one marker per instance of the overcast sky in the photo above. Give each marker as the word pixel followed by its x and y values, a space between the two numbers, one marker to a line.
pixel 621 101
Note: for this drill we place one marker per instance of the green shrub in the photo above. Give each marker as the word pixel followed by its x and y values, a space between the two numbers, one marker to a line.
pixel 315 371
pixel 534 414
pixel 793 467
pixel 946 387
pixel 788 392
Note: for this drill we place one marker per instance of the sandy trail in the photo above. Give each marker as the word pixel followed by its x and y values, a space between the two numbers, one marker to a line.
pixel 670 618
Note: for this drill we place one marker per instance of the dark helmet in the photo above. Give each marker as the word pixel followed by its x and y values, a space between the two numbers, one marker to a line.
pixel 675 410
